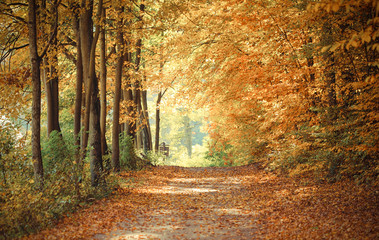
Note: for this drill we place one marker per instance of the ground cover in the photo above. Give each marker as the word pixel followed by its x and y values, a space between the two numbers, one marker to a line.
pixel 224 203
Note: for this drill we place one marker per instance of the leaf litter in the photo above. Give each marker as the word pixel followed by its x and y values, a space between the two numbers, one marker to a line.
pixel 224 203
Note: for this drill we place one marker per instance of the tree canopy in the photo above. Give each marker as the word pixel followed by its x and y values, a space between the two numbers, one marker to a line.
pixel 293 83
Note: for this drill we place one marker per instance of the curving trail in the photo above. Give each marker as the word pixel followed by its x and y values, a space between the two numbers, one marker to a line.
pixel 223 203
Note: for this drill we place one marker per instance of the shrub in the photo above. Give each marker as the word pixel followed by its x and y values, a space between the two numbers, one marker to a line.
pixel 24 209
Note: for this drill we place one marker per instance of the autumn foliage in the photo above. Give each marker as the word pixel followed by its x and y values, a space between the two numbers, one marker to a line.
pixel 296 82
pixel 290 84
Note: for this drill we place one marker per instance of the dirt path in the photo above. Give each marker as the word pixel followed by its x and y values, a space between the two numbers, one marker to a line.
pixel 224 203
pixel 192 203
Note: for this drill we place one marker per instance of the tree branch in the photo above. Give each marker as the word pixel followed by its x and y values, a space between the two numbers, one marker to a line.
pixel 69 55
pixel 20 19
pixel 5 55
pixel 53 34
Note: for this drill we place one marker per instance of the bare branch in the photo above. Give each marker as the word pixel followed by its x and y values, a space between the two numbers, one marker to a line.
pixel 52 36
pixel 7 53
pixel 17 18
pixel 69 55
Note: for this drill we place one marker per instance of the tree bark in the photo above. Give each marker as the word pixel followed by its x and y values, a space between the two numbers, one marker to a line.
pixel 103 86
pixel 117 97
pixel 146 128
pixel 137 86
pixel 129 126
pixel 91 123
pixel 157 121
pixel 36 103
pixel 330 75
pixel 86 38
pixel 79 81
pixel 330 84
pixel 96 164
pixel 137 95
pixel 96 160
pixel 188 135
pixel 51 78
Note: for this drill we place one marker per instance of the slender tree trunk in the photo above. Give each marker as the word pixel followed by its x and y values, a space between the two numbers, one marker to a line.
pixel 78 173
pixel 130 126
pixel 86 37
pixel 158 103
pixel 332 99
pixel 146 128
pixel 137 110
pixel 79 83
pixel 310 62
pixel 117 97
pixel 96 160
pixel 96 164
pixel 157 121
pixel 137 95
pixel 51 79
pixel 36 103
pixel 137 85
pixel 188 135
pixel 103 86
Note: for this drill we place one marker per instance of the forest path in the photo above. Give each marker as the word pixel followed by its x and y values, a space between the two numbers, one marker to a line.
pixel 190 203
pixel 224 203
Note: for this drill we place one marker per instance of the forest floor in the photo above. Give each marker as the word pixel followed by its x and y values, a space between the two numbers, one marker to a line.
pixel 224 203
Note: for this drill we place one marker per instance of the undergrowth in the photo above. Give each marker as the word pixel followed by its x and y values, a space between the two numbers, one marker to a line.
pixel 25 209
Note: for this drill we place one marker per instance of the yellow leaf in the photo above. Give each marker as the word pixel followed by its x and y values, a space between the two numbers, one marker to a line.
pixel 325 49
pixel 366 37
pixel 354 43
pixel 335 7
pixel 335 46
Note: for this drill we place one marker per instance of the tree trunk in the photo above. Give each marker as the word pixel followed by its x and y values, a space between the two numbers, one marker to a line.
pixel 79 81
pixel 103 87
pixel 157 121
pixel 137 95
pixel 86 38
pixel 92 101
pixel 117 97
pixel 51 79
pixel 310 62
pixel 146 128
pixel 36 103
pixel 327 37
pixel 137 110
pixel 188 135
pixel 130 127
pixel 332 99
pixel 96 164
pixel 137 86
pixel 96 159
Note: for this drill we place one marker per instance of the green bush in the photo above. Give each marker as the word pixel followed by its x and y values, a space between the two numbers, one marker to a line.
pixel 218 157
pixel 24 209
pixel 128 156
pixel 156 158
pixel 329 155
